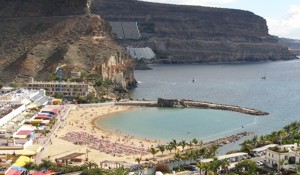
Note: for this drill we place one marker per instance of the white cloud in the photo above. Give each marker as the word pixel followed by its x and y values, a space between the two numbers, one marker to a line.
pixel 288 26
pixel 195 2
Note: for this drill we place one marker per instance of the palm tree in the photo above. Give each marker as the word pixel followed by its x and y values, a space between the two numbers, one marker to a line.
pixel 281 162
pixel 195 141
pixel 169 148
pixel 94 171
pixel 203 165
pixel 119 171
pixel 199 165
pixel 182 144
pixel 190 144
pixel 246 146
pixel 215 165
pixel 90 164
pixel 138 160
pixel 263 140
pixel 212 151
pixel 282 135
pixel 189 155
pixel 225 164
pixel 178 157
pixel 173 144
pixel 153 151
pixel 254 141
pixel 162 148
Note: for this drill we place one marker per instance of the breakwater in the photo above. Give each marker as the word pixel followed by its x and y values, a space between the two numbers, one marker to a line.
pixel 192 104
pixel 207 105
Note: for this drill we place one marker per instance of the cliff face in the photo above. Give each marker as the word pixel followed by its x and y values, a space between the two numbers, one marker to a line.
pixel 194 34
pixel 37 35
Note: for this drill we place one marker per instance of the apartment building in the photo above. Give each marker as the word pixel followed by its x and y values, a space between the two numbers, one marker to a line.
pixel 68 89
pixel 280 156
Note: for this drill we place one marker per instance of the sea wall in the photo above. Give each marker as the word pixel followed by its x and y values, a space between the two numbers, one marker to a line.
pixel 207 105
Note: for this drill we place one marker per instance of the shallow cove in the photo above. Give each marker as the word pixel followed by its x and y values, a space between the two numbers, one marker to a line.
pixel 165 124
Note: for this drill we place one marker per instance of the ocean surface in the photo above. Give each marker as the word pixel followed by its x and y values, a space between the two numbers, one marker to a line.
pixel 234 84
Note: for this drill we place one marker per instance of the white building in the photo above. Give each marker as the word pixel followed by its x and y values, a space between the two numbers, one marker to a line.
pixel 5 90
pixel 68 88
pixel 279 156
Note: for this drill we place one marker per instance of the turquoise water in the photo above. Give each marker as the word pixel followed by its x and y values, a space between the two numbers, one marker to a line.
pixel 165 124
pixel 234 84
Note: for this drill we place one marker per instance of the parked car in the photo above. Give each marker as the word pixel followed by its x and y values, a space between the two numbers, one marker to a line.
pixel 259 163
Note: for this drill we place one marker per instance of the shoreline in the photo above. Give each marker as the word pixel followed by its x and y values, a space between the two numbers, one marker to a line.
pixel 80 122
pixel 80 134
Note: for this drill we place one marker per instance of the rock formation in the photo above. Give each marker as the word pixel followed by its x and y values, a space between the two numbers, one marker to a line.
pixel 37 35
pixel 194 34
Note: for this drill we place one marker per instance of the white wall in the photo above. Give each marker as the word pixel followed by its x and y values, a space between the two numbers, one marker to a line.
pixel 12 114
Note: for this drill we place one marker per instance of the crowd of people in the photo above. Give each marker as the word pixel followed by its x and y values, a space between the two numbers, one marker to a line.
pixel 105 144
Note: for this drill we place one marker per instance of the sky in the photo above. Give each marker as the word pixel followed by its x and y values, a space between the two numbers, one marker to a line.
pixel 283 16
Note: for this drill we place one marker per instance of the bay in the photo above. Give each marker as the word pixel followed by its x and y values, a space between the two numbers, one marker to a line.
pixel 233 84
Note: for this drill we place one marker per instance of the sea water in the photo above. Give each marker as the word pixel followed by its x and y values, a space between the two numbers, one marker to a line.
pixel 164 124
pixel 233 84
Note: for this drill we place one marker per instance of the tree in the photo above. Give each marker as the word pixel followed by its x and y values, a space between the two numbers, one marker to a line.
pixel 90 164
pixel 246 167
pixel 204 166
pixel 169 148
pixel 190 144
pixel 254 141
pixel 94 171
pixel 225 164
pixel 281 163
pixel 153 151
pixel 182 144
pixel 119 171
pixel 212 151
pixel 178 157
pixel 30 166
pixel 195 141
pixel 246 146
pixel 173 144
pixel 215 165
pixel 162 148
pixel 138 160
pixel 46 164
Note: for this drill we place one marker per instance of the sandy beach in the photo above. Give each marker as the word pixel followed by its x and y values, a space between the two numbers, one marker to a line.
pixel 78 134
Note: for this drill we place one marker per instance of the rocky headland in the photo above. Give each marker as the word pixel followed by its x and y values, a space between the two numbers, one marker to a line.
pixel 37 35
pixel 195 34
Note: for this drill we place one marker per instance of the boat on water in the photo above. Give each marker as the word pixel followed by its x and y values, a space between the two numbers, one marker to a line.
pixel 264 77
pixel 194 80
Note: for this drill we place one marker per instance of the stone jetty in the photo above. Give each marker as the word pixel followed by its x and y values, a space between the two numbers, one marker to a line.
pixel 207 105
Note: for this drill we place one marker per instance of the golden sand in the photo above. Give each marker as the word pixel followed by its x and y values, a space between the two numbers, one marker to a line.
pixel 82 119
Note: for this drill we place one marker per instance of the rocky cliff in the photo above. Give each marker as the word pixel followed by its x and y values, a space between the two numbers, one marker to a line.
pixel 37 35
pixel 194 34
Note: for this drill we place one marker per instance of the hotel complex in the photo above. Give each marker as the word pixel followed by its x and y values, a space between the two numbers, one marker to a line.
pixel 68 88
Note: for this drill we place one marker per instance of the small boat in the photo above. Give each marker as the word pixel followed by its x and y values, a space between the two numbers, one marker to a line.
pixel 194 80
pixel 264 77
